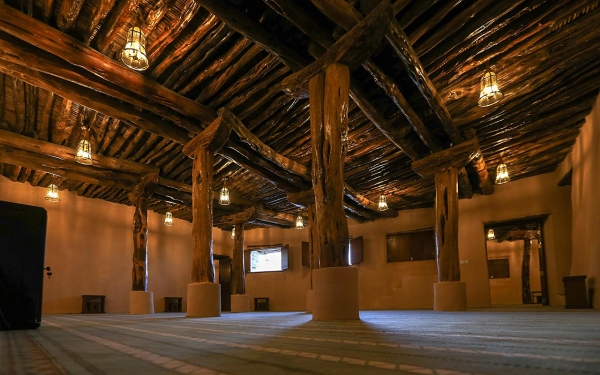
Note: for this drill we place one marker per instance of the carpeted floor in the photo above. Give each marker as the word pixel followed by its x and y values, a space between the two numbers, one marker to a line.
pixel 490 341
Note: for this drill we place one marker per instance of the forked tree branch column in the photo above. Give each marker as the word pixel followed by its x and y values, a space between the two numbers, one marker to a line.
pixel 203 295
pixel 449 293
pixel 141 301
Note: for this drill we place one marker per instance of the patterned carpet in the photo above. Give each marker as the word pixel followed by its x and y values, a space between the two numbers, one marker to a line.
pixel 490 341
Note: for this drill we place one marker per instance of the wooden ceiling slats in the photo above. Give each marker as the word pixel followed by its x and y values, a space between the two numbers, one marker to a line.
pixel 174 28
pixel 69 10
pixel 100 12
pixel 191 41
pixel 117 21
pixel 233 103
pixel 19 103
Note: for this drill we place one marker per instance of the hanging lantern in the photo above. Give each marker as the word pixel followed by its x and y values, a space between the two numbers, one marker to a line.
pixel 233 232
pixel 299 222
pixel 134 53
pixel 502 174
pixel 224 197
pixel 382 206
pixel 168 219
pixel 490 94
pixel 84 148
pixel 52 194
pixel 491 235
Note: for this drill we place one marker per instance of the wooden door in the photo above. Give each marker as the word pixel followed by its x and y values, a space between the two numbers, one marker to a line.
pixel 225 268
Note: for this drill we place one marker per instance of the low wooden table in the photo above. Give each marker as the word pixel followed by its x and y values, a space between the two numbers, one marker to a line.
pixel 173 304
pixel 92 304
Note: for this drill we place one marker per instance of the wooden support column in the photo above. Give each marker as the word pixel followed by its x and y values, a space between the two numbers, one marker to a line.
pixel 328 124
pixel 239 273
pixel 204 297
pixel 525 271
pixel 140 300
pixel 449 292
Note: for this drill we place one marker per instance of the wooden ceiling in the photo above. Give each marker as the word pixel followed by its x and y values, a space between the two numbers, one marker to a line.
pixel 545 53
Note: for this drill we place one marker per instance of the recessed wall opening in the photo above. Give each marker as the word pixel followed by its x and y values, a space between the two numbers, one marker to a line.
pixel 517 262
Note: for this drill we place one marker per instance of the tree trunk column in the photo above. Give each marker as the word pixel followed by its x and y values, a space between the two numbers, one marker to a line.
pixel 240 301
pixel 140 300
pixel 525 271
pixel 449 292
pixel 313 247
pixel 203 295
pixel 335 284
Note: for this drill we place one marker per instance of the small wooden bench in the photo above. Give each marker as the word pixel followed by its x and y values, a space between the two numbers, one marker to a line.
pixel 261 304
pixel 92 304
pixel 173 304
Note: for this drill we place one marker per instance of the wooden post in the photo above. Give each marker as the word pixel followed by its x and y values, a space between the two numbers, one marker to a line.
pixel 525 271
pixel 313 241
pixel 239 272
pixel 203 267
pixel 204 296
pixel 328 126
pixel 446 224
pixel 139 197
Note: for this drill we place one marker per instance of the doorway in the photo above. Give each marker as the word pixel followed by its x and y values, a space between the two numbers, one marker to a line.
pixel 223 271
pixel 517 261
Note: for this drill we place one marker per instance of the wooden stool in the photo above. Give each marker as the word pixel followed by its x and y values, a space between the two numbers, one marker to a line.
pixel 261 304
pixel 173 304
pixel 92 304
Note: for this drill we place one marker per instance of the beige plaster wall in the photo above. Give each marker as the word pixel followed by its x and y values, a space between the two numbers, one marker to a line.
pixel 408 285
pixel 585 199
pixel 89 246
pixel 508 291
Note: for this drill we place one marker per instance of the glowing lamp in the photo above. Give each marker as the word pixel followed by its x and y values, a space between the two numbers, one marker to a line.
pixel 502 176
pixel 490 94
pixel 233 232
pixel 52 194
pixel 299 222
pixel 168 219
pixel 382 206
pixel 491 235
pixel 134 53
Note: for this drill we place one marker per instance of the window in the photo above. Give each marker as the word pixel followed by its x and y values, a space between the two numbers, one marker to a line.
pixel 266 259
pixel 403 247
pixel 499 268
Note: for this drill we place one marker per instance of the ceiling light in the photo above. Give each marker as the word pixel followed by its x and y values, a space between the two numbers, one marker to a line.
pixel 299 222
pixel 52 194
pixel 84 148
pixel 502 176
pixel 490 94
pixel 134 53
pixel 233 232
pixel 491 235
pixel 382 206
pixel 168 219
pixel 224 196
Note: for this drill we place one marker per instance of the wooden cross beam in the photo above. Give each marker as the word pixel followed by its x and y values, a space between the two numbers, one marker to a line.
pixel 453 157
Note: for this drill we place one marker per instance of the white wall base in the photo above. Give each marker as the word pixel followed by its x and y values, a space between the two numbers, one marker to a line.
pixel 335 293
pixel 141 302
pixel 450 296
pixel 203 300
pixel 240 303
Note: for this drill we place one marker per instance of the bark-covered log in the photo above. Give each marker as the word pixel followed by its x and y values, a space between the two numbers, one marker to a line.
pixel 453 157
pixel 446 224
pixel 238 279
pixel 329 123
pixel 525 271
pixel 139 197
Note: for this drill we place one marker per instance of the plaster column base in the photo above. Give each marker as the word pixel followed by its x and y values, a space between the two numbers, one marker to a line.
pixel 141 302
pixel 203 300
pixel 335 293
pixel 310 300
pixel 240 303
pixel 450 296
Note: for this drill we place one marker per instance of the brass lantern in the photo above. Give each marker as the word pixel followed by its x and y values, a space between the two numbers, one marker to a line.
pixel 84 148
pixel 299 222
pixel 490 94
pixel 382 206
pixel 233 232
pixel 224 196
pixel 491 235
pixel 502 176
pixel 52 194
pixel 134 53
pixel 168 219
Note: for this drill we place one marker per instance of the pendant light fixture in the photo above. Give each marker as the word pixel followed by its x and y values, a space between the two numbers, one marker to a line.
pixel 233 232
pixel 168 219
pixel 490 93
pixel 134 53
pixel 382 206
pixel 84 147
pixel 52 193
pixel 502 176
pixel 224 196
pixel 491 235
pixel 299 222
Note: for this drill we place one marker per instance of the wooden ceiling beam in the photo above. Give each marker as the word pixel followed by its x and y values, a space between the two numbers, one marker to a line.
pixel 69 10
pixel 453 157
pixel 99 14
pixel 111 27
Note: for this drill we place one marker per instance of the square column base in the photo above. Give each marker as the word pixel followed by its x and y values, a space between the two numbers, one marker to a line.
pixel 240 303
pixel 310 298
pixel 450 296
pixel 141 302
pixel 335 293
pixel 203 300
